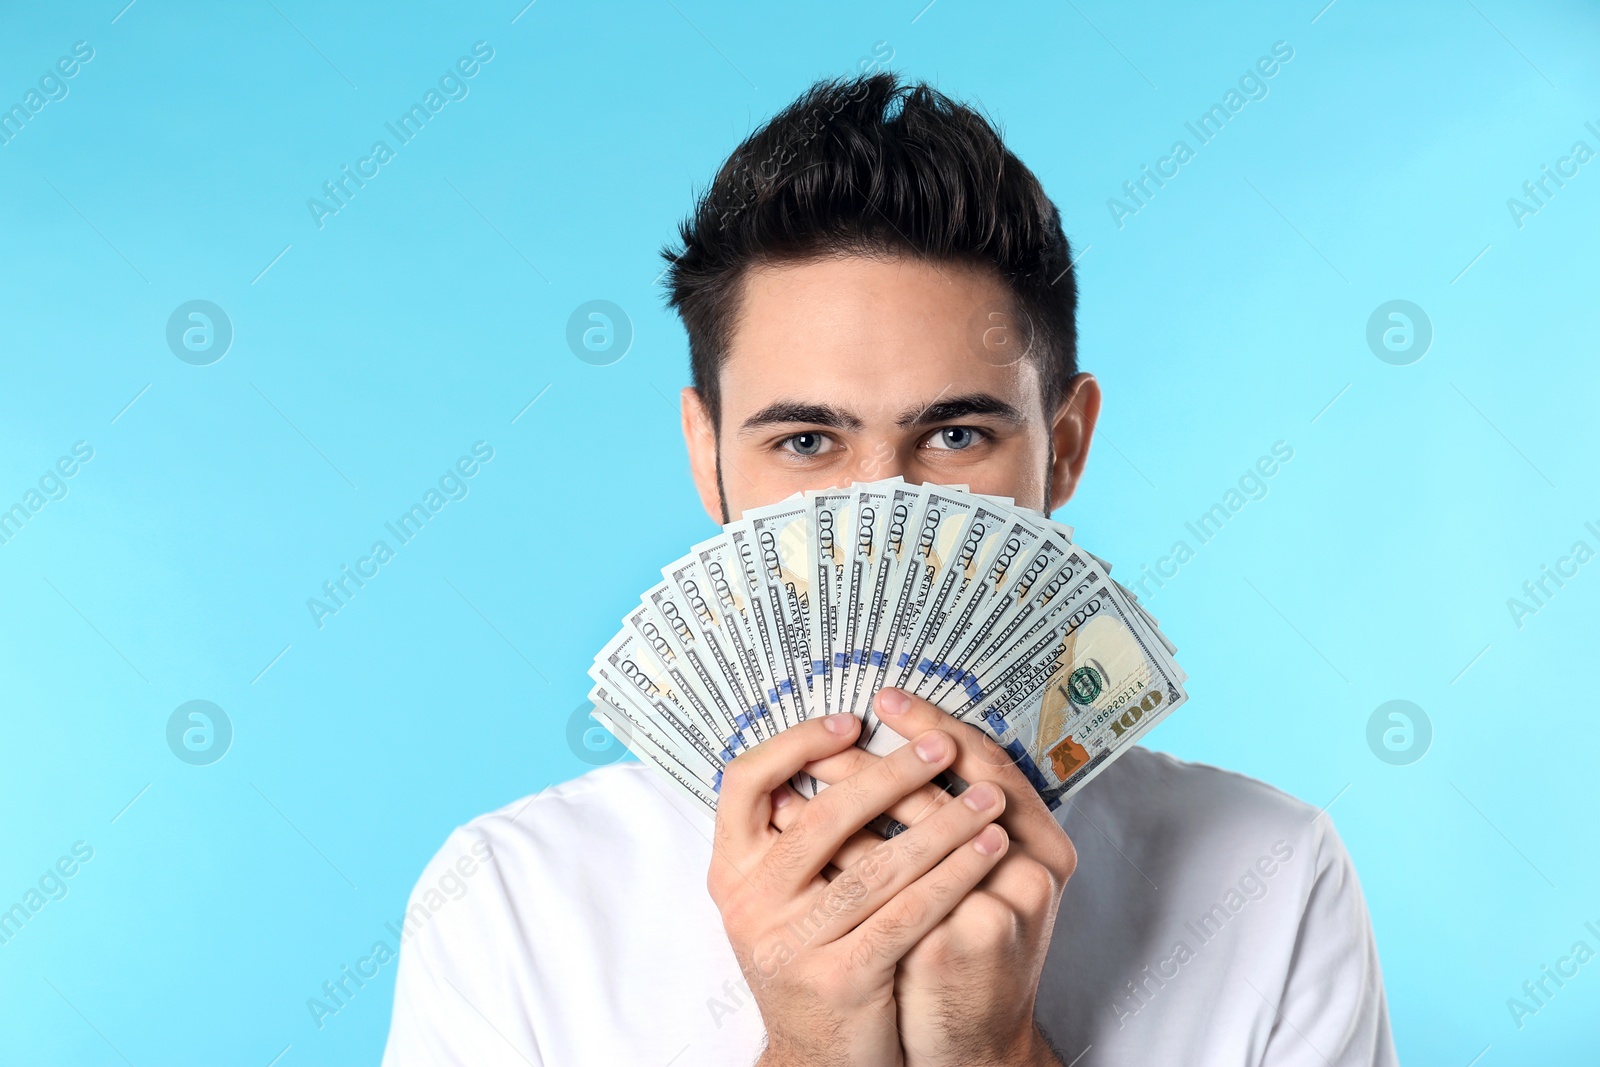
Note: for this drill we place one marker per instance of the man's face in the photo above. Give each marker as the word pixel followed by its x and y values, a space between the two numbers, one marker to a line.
pixel 853 369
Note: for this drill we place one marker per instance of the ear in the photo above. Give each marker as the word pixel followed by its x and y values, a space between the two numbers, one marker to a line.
pixel 701 438
pixel 1069 435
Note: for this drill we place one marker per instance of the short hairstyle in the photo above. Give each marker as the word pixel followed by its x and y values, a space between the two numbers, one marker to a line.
pixel 873 166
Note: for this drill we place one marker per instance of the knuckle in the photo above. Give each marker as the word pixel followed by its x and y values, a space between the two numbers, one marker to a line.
pixel 1036 886
pixel 927 801
pixel 784 859
pixel 734 773
pixel 864 953
pixel 823 815
pixel 722 832
pixel 909 852
pixel 982 745
pixel 738 912
pixel 938 947
pixel 853 792
pixel 1068 859
pixel 994 916
pixel 912 912
pixel 851 760
pixel 908 913
pixel 845 893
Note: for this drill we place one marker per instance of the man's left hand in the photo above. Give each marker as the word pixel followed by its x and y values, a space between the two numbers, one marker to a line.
pixel 966 991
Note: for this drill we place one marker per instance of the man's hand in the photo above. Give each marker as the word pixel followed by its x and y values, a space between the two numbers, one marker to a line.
pixel 966 990
pixel 821 955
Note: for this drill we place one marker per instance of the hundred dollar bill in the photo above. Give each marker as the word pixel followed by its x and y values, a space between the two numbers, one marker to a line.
pixel 689 581
pixel 1023 619
pixel 884 603
pixel 830 520
pixel 680 649
pixel 661 751
pixel 1060 759
pixel 980 540
pixel 1097 687
pixel 1058 605
pixel 1150 620
pixel 763 628
pixel 870 509
pixel 1089 662
pixel 781 533
pixel 943 655
pixel 941 526
pixel 1018 665
pixel 627 666
pixel 724 573
pixel 719 561
pixel 984 626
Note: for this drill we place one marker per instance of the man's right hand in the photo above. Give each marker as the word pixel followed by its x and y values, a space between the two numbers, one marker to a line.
pixel 820 955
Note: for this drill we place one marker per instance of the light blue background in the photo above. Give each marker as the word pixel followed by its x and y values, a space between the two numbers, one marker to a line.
pixel 425 315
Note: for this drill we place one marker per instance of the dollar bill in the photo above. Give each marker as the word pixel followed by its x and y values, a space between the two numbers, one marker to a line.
pixel 781 533
pixel 816 603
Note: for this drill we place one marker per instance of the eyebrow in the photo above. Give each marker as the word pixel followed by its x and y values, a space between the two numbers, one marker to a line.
pixel 939 410
pixel 959 407
pixel 785 411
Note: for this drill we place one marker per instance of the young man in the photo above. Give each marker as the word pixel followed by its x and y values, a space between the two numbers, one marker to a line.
pixel 874 286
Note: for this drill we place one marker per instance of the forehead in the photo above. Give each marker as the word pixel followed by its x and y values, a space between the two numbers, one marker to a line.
pixel 873 335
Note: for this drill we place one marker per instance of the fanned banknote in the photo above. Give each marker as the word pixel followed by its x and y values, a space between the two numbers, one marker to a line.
pixel 811 605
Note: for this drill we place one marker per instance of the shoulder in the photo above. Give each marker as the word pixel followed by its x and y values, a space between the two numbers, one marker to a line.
pixel 603 800
pixel 1189 869
pixel 1179 813
pixel 1142 776
pixel 512 894
pixel 607 818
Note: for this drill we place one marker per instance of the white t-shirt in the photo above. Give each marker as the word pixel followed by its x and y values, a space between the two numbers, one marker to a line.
pixel 1212 920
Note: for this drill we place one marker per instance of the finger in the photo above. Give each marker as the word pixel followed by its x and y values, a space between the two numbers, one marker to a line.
pixel 1027 817
pixel 853 760
pixel 786 812
pixel 908 811
pixel 906 918
pixel 892 865
pixel 744 800
pixel 856 846
pixel 833 815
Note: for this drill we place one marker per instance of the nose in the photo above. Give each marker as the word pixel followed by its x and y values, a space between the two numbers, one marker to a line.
pixel 880 460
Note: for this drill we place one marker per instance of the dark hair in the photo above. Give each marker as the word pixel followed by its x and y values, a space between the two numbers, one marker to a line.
pixel 870 165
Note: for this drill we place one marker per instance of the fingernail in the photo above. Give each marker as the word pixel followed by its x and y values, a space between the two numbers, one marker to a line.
pixel 990 840
pixel 980 797
pixel 841 722
pixel 780 799
pixel 931 748
pixel 892 701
